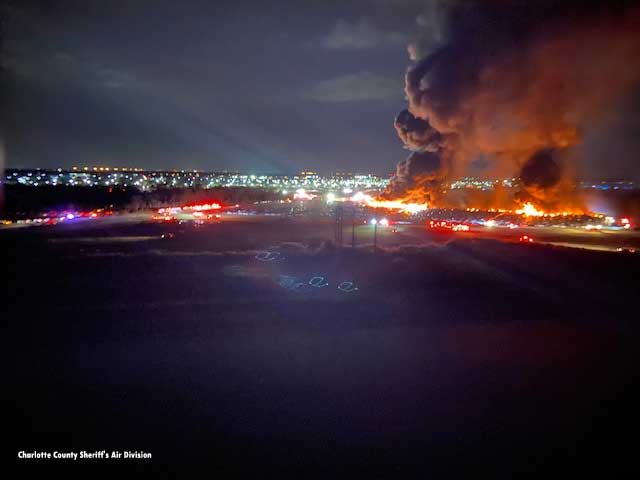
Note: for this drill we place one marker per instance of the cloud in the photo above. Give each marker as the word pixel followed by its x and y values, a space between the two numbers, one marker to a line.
pixel 432 30
pixel 360 35
pixel 112 78
pixel 354 87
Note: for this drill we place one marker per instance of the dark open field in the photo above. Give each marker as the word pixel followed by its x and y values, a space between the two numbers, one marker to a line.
pixel 452 356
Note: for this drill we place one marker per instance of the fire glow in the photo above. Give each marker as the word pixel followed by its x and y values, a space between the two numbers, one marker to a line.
pixel 528 210
pixel 191 208
pixel 488 98
pixel 202 207
pixel 368 200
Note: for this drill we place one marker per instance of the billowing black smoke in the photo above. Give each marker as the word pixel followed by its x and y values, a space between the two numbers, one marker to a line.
pixel 417 177
pixel 541 171
pixel 416 133
pixel 513 83
pixel 418 164
pixel 545 182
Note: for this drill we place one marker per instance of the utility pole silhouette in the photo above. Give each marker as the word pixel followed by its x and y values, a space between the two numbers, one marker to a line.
pixel 353 227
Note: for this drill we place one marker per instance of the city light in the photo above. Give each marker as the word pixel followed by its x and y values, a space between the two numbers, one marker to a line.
pixel 149 180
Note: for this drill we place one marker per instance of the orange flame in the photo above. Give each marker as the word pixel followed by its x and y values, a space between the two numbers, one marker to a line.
pixel 528 210
pixel 389 204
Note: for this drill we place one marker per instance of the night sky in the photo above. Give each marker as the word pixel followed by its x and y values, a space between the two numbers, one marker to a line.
pixel 259 87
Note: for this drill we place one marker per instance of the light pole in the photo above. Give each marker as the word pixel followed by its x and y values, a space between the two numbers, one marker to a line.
pixel 374 222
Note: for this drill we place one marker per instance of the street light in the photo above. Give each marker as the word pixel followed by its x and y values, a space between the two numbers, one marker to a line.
pixel 374 222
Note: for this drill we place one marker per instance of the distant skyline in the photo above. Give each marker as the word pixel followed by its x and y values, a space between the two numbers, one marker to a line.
pixel 249 86
pixel 115 169
pixel 105 170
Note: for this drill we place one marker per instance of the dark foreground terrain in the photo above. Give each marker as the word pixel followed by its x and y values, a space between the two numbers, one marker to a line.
pixel 460 357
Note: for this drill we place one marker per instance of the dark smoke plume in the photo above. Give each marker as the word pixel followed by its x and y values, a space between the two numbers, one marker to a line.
pixel 541 170
pixel 418 178
pixel 416 133
pixel 516 82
